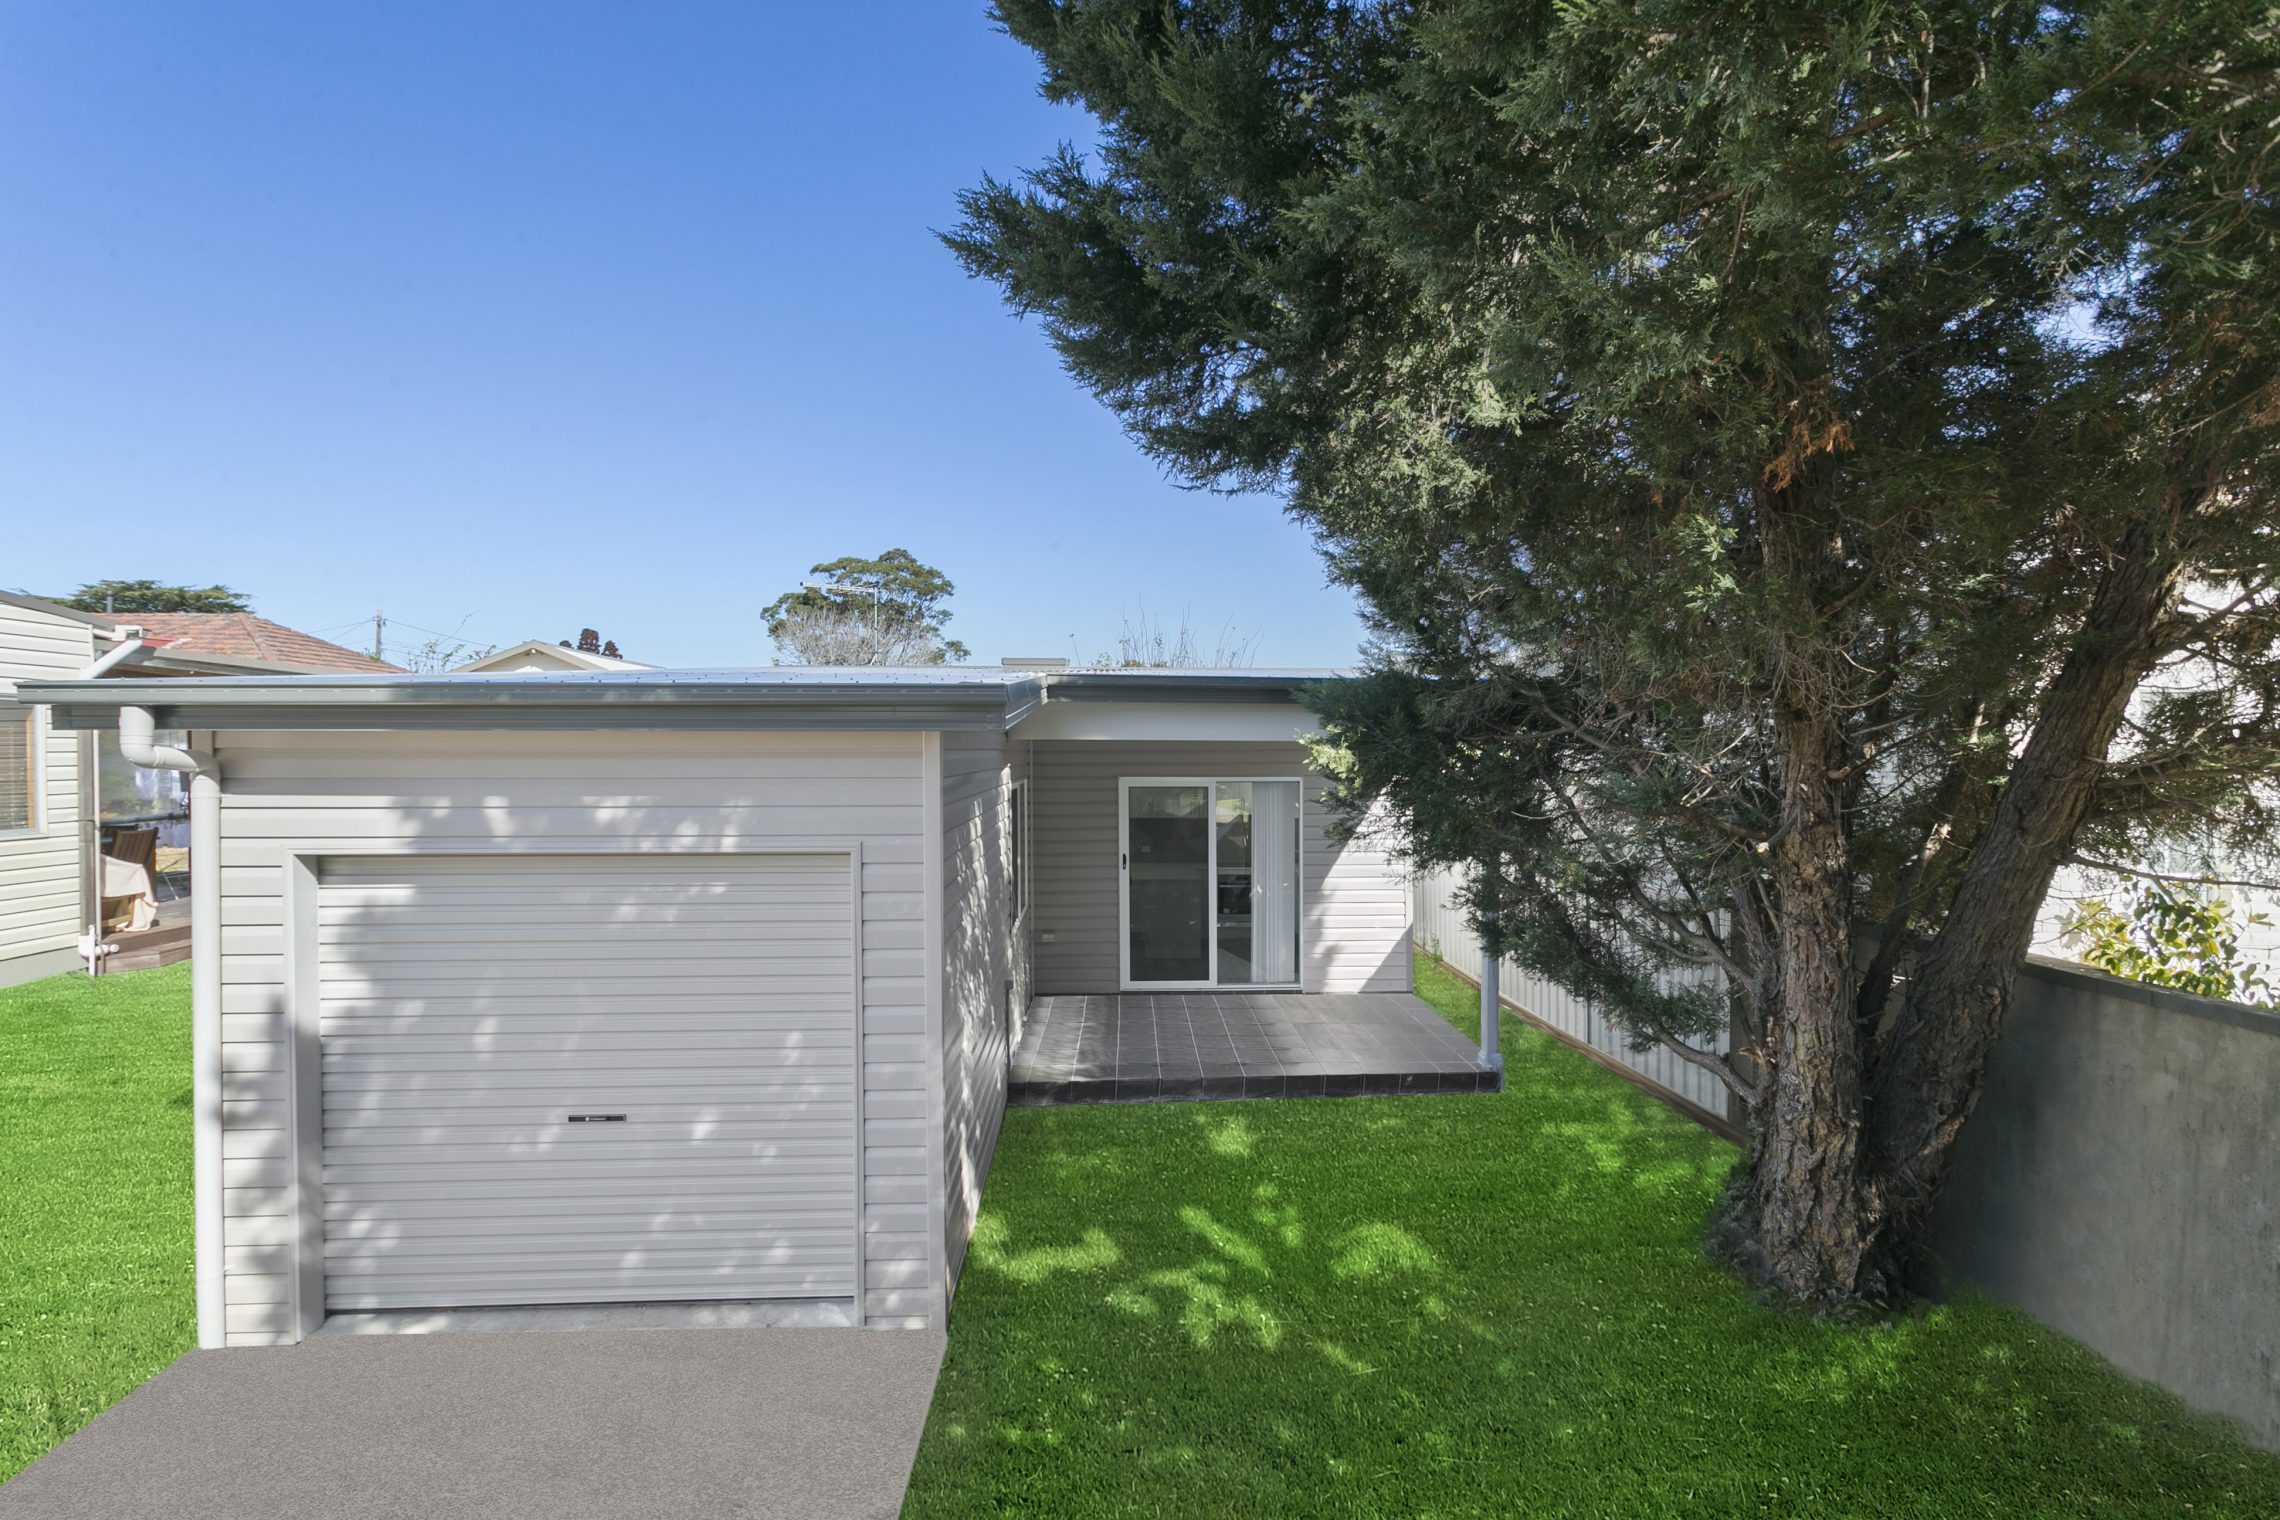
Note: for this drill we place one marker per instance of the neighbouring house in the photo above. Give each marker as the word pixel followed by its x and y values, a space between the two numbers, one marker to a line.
pixel 537 657
pixel 239 637
pixel 684 985
pixel 93 867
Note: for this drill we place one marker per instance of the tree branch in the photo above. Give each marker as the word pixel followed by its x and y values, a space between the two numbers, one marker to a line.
pixel 1717 1065
pixel 2166 876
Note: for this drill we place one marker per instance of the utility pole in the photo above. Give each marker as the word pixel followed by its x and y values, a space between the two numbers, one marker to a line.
pixel 379 625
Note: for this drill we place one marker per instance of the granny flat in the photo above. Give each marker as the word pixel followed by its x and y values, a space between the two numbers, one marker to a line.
pixel 670 986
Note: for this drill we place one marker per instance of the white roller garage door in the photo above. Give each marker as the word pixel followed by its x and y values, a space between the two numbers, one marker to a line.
pixel 587 1079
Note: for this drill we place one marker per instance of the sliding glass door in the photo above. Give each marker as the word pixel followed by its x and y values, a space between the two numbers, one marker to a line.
pixel 1210 870
pixel 1167 884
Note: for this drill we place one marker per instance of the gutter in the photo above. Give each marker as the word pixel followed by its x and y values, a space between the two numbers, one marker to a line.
pixel 138 744
pixel 1170 686
pixel 638 700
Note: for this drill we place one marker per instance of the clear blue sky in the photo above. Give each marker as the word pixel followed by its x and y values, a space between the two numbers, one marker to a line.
pixel 553 314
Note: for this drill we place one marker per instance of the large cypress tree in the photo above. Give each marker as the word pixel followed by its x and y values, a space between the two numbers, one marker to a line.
pixel 1783 450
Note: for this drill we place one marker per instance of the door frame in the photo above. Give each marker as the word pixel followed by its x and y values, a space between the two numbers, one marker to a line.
pixel 1124 981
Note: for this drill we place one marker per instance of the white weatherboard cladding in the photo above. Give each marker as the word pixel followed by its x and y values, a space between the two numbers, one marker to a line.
pixel 295 804
pixel 587 1079
pixel 1354 923
pixel 985 973
pixel 40 867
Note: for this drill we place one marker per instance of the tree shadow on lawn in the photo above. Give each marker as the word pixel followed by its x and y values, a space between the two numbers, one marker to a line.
pixel 1480 1306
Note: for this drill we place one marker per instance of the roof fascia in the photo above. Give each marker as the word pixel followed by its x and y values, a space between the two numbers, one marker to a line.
pixel 109 623
pixel 358 703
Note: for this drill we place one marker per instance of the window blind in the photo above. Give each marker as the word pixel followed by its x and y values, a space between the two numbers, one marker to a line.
pixel 19 756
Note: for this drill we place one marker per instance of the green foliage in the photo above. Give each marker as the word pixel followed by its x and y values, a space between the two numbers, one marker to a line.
pixel 2170 935
pixel 1481 1307
pixel 1732 420
pixel 155 596
pixel 95 1250
pixel 884 611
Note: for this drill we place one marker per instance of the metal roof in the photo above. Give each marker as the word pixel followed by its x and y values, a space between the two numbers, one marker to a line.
pixel 784 696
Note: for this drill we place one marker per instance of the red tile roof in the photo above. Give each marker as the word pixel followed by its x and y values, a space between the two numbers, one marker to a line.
pixel 243 636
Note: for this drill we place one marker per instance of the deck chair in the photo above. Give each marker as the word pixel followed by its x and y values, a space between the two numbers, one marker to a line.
pixel 130 899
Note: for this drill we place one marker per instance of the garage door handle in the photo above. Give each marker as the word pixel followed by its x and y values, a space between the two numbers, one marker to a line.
pixel 597 1119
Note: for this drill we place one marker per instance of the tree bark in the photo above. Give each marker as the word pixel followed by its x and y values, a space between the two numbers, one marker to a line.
pixel 1805 1216
pixel 1932 1065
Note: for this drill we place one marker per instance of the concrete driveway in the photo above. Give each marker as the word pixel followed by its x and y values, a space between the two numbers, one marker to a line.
pixel 816 1424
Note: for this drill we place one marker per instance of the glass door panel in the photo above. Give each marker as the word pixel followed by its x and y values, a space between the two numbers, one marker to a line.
pixel 1271 854
pixel 1168 882
pixel 1231 840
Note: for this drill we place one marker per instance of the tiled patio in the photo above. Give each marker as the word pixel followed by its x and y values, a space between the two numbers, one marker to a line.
pixel 1172 1046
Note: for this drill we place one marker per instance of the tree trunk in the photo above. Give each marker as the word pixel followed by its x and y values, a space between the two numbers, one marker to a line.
pixel 1933 1063
pixel 1805 1227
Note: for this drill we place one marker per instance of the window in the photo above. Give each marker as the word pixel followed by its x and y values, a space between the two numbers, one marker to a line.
pixel 19 767
pixel 1017 897
pixel 126 793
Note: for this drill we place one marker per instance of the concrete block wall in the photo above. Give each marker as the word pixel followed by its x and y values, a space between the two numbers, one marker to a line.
pixel 2121 1183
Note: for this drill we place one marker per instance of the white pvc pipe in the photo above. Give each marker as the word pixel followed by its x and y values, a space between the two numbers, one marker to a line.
pixel 1491 1006
pixel 1491 978
pixel 138 733
pixel 206 1045
pixel 91 943
pixel 102 667
pixel 138 742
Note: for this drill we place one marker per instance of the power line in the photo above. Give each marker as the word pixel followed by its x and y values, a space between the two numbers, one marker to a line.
pixel 396 622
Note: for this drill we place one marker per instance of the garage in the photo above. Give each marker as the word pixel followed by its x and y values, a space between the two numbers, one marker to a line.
pixel 558 1080
pixel 651 987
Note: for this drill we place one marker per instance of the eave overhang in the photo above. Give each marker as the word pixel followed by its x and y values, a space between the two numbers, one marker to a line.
pixel 950 699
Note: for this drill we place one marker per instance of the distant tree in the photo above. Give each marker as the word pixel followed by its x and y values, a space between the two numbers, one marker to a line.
pixel 841 638
pixel 589 642
pixel 884 611
pixel 155 596
pixel 443 654
pixel 1147 643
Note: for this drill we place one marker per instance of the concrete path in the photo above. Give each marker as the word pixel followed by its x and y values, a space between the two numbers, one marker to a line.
pixel 816 1424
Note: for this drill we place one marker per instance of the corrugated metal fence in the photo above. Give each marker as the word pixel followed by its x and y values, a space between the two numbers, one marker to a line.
pixel 1441 929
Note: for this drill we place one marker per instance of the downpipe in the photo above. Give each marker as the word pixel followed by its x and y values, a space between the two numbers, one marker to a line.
pixel 92 948
pixel 138 735
pixel 131 647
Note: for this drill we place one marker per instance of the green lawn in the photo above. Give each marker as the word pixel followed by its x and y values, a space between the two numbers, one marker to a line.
pixel 95 1275
pixel 1414 1307
pixel 1481 1306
